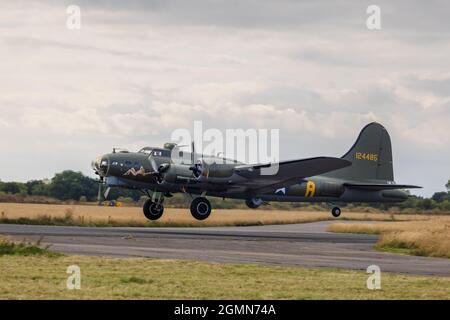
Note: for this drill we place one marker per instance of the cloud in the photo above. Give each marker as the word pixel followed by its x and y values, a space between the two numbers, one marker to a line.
pixel 439 87
pixel 137 70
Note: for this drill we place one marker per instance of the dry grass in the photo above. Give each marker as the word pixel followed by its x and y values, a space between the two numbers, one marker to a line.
pixel 40 277
pixel 430 237
pixel 93 215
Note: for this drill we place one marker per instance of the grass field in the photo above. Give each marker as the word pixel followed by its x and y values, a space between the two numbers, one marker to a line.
pixel 429 237
pixel 93 215
pixel 44 277
pixel 30 272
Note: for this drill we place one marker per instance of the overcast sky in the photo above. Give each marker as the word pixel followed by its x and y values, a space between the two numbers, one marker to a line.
pixel 137 70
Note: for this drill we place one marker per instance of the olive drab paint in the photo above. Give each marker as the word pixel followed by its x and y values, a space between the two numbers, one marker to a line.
pixel 364 174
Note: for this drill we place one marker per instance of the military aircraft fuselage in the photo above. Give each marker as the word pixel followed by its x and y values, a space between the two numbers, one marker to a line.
pixel 134 170
pixel 363 174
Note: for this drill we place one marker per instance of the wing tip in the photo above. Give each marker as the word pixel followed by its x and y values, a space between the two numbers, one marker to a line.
pixel 413 187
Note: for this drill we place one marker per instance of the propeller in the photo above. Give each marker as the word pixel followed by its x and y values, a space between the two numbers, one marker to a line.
pixel 154 166
pixel 159 171
pixel 99 194
pixel 195 167
pixel 105 194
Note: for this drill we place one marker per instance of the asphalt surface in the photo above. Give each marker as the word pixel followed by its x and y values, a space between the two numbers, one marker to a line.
pixel 307 245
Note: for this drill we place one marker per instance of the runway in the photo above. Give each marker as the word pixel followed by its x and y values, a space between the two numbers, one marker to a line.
pixel 306 245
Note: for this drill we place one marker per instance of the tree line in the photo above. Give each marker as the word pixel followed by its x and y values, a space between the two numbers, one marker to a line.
pixel 66 185
pixel 74 186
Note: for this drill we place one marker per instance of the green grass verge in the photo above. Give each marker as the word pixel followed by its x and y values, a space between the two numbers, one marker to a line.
pixel 42 277
pixel 24 249
pixel 397 250
pixel 372 232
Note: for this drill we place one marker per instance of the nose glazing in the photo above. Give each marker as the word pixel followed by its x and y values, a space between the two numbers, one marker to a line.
pixel 100 165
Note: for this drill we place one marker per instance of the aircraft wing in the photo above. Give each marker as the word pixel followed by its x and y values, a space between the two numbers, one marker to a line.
pixel 379 186
pixel 288 172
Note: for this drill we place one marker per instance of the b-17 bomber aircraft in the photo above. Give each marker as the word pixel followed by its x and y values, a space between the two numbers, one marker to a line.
pixel 363 174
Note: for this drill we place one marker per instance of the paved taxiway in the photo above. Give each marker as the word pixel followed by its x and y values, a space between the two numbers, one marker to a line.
pixel 307 245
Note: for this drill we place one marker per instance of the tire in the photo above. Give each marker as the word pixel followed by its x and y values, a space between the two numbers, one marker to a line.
pixel 200 208
pixel 251 204
pixel 152 210
pixel 336 212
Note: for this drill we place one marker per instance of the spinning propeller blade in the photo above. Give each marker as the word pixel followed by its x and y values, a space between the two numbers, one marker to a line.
pixel 106 192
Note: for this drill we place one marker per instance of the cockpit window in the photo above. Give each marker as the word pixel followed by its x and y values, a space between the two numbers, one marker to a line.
pixel 146 150
pixel 156 152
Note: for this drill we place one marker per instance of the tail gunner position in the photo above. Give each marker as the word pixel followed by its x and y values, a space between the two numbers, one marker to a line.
pixel 363 174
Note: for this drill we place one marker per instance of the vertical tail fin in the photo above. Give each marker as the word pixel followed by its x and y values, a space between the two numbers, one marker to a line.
pixel 371 157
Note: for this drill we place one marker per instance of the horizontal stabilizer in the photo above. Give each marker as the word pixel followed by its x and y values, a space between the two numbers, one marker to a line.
pixel 379 186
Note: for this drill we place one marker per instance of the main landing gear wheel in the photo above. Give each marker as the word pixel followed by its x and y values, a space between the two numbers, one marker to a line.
pixel 200 208
pixel 253 203
pixel 153 210
pixel 336 212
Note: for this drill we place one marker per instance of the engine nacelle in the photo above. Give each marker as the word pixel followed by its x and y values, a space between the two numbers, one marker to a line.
pixel 173 173
pixel 177 173
pixel 216 171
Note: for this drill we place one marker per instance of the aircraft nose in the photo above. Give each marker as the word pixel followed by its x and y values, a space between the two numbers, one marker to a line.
pixel 101 165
